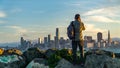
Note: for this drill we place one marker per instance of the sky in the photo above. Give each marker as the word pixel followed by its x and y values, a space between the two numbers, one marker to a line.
pixel 32 19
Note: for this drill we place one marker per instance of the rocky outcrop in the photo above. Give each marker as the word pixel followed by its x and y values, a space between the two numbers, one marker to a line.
pixel 64 64
pixel 101 61
pixel 38 63
pixel 12 61
pixel 12 51
pixel 33 53
pixel 1 51
pixel 35 58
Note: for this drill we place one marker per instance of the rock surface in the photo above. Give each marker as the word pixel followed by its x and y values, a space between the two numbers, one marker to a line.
pixel 38 63
pixel 64 64
pixel 33 53
pixel 12 62
pixel 12 51
pixel 35 58
pixel 101 61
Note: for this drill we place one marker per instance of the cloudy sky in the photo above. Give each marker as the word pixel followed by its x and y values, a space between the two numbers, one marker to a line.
pixel 38 18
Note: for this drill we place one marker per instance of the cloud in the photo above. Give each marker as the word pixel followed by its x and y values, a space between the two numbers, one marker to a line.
pixel 101 19
pixel 75 4
pixel 79 3
pixel 2 14
pixel 1 22
pixel 16 10
pixel 18 29
pixel 38 11
pixel 96 11
pixel 92 29
pixel 1 32
pixel 105 15
pixel 106 11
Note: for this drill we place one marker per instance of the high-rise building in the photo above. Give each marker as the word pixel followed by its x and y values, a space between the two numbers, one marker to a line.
pixel 88 42
pixel 99 37
pixel 85 38
pixel 57 38
pixel 45 40
pixel 109 39
pixel 57 33
pixel 88 38
pixel 38 40
pixel 49 38
pixel 55 41
pixel 22 41
pixel 85 41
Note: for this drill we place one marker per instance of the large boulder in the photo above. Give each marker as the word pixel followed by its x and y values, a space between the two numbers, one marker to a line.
pixel 101 52
pixel 33 53
pixel 12 51
pixel 101 61
pixel 38 63
pixel 64 64
pixel 12 61
pixel 1 51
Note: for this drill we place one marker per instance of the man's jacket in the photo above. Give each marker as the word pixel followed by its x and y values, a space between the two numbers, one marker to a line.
pixel 78 28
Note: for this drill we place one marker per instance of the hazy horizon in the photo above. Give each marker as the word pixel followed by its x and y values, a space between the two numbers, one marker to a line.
pixel 38 18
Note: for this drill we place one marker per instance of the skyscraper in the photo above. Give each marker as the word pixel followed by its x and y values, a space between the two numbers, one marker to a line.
pixel 89 38
pixel 45 40
pixel 57 33
pixel 109 39
pixel 38 40
pixel 57 38
pixel 49 38
pixel 55 42
pixel 22 41
pixel 99 36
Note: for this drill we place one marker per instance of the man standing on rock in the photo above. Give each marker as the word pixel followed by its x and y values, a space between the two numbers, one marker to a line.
pixel 76 27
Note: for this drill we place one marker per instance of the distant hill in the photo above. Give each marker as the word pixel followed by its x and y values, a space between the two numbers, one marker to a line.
pixel 11 44
pixel 14 44
pixel 115 39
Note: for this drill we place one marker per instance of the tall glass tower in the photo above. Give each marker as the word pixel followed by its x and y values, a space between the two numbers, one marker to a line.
pixel 99 37
pixel 49 38
pixel 57 38
pixel 109 39
pixel 57 33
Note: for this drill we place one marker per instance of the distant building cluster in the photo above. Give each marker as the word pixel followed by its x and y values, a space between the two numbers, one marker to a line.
pixel 100 43
pixel 57 43
pixel 60 42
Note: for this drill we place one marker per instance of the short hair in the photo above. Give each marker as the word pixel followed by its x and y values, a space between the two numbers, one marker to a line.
pixel 77 16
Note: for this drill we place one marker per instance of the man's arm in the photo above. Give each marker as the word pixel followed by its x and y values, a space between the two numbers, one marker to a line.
pixel 83 27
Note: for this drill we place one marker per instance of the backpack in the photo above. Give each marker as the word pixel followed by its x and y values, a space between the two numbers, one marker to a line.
pixel 71 31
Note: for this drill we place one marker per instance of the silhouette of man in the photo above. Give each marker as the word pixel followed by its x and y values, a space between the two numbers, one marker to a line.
pixel 77 41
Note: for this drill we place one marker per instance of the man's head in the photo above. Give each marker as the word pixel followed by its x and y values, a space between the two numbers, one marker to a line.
pixel 77 16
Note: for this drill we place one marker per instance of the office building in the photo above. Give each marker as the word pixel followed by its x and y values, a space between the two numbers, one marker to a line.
pixel 99 37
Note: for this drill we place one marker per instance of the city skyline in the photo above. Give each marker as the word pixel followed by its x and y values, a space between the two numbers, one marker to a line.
pixel 36 19
pixel 48 38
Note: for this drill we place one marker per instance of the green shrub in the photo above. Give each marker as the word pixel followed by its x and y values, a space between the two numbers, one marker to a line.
pixel 64 54
pixel 53 60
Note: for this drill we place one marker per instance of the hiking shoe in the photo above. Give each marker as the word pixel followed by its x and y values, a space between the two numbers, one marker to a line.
pixel 74 63
pixel 82 64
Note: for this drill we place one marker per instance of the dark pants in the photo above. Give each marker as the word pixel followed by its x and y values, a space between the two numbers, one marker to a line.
pixel 76 44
